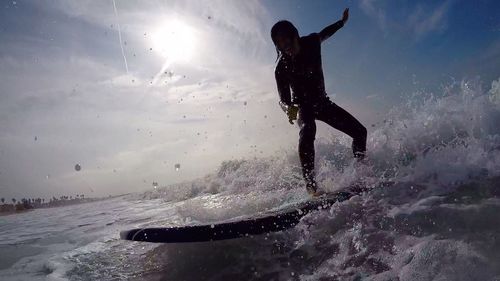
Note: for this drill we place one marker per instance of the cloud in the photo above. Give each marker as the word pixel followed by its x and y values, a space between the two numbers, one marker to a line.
pixel 77 98
pixel 421 21
pixel 427 20
pixel 369 8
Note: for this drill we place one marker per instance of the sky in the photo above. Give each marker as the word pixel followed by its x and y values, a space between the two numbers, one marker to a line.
pixel 129 89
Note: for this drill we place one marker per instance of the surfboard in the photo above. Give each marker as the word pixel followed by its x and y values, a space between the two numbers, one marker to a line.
pixel 265 222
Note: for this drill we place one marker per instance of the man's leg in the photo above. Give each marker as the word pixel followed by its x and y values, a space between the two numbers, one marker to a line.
pixel 307 135
pixel 343 121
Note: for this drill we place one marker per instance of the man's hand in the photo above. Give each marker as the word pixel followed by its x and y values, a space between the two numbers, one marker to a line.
pixel 292 113
pixel 345 15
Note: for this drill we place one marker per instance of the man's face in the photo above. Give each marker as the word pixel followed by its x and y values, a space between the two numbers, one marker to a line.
pixel 288 45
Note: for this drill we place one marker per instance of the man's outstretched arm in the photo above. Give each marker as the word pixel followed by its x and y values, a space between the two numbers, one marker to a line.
pixel 331 29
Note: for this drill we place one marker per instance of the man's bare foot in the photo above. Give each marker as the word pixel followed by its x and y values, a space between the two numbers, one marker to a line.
pixel 362 162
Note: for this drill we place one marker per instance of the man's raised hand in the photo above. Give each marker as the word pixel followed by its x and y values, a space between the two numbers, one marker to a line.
pixel 345 15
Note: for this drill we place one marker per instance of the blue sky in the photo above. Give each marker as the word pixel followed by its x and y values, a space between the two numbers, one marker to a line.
pixel 198 86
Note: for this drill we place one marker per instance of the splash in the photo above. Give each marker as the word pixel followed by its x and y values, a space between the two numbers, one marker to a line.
pixel 445 140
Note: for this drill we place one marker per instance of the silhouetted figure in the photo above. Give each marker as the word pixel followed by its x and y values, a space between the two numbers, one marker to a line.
pixel 299 68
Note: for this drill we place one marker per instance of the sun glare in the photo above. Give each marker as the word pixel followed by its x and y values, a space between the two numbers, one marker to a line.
pixel 174 40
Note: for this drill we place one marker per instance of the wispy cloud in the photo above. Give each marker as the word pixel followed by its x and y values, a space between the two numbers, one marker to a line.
pixel 373 10
pixel 421 20
pixel 427 20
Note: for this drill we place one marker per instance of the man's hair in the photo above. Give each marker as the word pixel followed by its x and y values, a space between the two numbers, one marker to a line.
pixel 283 28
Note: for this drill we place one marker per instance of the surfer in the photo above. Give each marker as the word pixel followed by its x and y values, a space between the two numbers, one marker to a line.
pixel 299 68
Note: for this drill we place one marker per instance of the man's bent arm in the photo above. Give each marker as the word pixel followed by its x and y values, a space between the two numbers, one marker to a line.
pixel 330 30
pixel 283 88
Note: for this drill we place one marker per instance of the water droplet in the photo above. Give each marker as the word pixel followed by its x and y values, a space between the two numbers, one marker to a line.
pixel 78 167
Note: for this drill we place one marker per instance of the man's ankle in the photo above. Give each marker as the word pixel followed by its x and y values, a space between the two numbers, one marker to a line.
pixel 359 155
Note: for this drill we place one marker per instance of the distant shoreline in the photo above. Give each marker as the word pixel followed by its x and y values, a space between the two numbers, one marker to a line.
pixel 8 213
pixel 24 206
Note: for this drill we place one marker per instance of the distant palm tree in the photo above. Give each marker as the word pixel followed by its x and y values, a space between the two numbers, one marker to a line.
pixel 14 200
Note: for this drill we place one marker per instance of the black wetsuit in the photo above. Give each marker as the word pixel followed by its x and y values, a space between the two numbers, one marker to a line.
pixel 304 74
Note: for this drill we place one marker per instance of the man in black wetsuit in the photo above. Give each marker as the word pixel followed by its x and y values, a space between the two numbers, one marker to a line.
pixel 299 67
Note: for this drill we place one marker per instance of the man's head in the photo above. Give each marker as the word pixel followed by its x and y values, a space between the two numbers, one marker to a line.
pixel 285 37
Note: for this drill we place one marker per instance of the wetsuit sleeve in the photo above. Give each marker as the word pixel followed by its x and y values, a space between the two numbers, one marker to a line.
pixel 330 30
pixel 283 85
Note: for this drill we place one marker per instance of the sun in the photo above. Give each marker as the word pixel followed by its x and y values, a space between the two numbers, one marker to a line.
pixel 175 40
